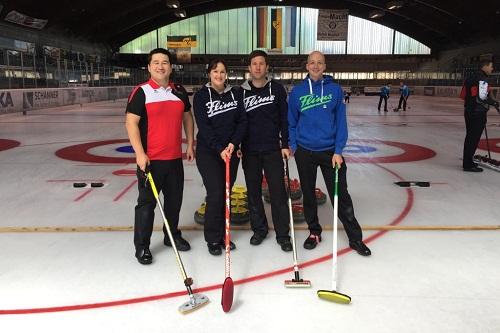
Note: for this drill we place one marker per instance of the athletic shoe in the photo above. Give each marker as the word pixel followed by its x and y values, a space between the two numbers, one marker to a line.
pixel 360 247
pixel 214 249
pixel 180 243
pixel 312 241
pixel 144 257
pixel 285 244
pixel 232 246
pixel 473 169
pixel 257 239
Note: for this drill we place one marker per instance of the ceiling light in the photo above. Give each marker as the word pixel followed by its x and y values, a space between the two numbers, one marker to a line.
pixel 391 5
pixel 376 14
pixel 173 4
pixel 180 13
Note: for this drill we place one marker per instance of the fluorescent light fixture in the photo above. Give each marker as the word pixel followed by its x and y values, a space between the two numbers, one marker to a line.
pixel 173 4
pixel 180 13
pixel 391 5
pixel 376 14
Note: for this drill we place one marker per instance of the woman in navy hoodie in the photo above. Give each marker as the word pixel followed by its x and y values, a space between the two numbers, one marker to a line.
pixel 221 122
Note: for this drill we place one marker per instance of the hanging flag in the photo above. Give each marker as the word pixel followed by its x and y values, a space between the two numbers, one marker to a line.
pixel 262 27
pixel 25 20
pixel 291 26
pixel 276 28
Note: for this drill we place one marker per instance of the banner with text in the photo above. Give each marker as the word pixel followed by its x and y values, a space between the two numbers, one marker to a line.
pixel 175 42
pixel 332 24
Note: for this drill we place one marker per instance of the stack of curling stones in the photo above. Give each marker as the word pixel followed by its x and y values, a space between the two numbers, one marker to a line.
pixel 296 195
pixel 239 207
pixel 296 192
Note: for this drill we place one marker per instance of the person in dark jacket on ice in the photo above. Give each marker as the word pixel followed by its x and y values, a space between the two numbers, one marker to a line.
pixel 264 148
pixel 221 122
pixel 477 101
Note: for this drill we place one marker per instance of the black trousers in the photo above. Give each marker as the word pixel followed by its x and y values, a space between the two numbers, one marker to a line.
pixel 272 164
pixel 169 179
pixel 307 165
pixel 213 172
pixel 384 98
pixel 402 100
pixel 474 124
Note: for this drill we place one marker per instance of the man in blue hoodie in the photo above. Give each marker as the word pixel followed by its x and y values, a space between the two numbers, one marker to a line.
pixel 384 96
pixel 264 147
pixel 405 93
pixel 317 129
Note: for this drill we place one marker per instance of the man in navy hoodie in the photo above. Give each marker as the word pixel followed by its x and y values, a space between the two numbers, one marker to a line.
pixel 318 134
pixel 264 147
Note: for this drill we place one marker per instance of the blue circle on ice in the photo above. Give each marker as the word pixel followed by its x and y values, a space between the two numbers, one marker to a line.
pixel 359 149
pixel 125 149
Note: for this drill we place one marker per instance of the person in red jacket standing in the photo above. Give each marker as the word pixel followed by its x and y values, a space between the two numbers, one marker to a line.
pixel 156 111
pixel 477 101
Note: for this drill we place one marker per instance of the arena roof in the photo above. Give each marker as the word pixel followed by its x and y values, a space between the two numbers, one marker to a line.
pixel 438 24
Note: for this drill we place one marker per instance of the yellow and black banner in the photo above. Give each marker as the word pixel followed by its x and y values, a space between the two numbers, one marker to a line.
pixel 277 28
pixel 174 42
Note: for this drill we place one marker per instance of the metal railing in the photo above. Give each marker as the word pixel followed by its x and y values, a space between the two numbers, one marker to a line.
pixel 25 70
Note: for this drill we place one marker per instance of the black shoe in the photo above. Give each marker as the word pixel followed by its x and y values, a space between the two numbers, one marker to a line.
pixel 285 244
pixel 360 247
pixel 180 243
pixel 256 239
pixel 312 241
pixel 474 169
pixel 232 246
pixel 144 256
pixel 214 249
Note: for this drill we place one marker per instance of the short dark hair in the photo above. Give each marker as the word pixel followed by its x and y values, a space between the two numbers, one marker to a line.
pixel 159 50
pixel 213 64
pixel 257 53
pixel 485 62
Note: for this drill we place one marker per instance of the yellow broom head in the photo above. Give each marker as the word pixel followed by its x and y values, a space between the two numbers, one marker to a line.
pixel 333 296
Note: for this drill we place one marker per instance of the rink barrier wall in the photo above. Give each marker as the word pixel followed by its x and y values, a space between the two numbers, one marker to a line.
pixel 22 100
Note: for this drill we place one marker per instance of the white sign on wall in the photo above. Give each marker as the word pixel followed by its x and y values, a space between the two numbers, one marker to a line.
pixel 332 24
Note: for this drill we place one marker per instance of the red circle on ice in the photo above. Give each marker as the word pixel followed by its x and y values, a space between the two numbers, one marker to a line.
pixel 410 153
pixel 8 144
pixel 80 153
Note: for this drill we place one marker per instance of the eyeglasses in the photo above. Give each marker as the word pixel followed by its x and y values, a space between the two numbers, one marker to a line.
pixel 319 63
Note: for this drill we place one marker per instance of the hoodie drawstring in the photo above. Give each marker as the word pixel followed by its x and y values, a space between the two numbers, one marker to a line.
pixel 311 89
pixel 232 95
pixel 210 94
pixel 321 91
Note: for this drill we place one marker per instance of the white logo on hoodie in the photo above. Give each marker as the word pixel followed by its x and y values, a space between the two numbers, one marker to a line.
pixel 253 102
pixel 216 107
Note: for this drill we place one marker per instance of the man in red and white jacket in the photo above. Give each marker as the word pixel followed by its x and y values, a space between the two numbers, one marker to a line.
pixel 155 112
